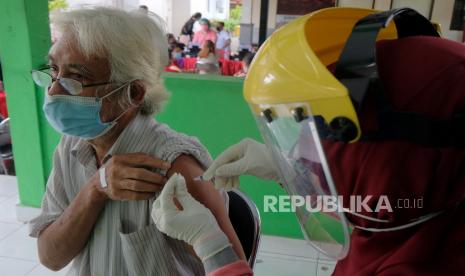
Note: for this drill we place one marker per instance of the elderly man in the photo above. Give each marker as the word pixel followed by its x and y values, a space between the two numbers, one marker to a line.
pixel 104 85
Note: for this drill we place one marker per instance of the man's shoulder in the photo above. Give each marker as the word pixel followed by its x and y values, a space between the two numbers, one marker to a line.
pixel 162 133
pixel 167 144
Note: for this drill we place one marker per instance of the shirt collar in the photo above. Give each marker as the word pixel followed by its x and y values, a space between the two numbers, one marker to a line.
pixel 128 141
pixel 83 152
pixel 130 138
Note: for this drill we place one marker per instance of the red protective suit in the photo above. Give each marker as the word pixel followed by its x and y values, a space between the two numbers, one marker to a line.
pixel 424 75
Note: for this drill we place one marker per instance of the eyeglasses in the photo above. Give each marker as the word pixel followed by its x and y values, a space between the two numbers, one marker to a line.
pixel 43 78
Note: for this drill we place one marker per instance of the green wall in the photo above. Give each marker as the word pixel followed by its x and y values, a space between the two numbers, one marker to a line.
pixel 209 107
pixel 24 42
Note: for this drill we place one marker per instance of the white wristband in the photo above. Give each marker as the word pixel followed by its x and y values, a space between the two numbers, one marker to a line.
pixel 103 177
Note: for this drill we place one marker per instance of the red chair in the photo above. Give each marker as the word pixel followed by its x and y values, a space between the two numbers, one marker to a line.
pixel 189 64
pixel 230 67
pixel 3 108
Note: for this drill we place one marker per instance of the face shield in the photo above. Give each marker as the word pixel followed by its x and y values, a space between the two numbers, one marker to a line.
pixel 291 133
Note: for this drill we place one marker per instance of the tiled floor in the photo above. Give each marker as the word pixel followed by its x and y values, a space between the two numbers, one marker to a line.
pixel 18 252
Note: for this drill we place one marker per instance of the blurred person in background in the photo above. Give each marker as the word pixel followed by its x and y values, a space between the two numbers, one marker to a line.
pixel 207 61
pixel 246 61
pixel 206 33
pixel 187 31
pixel 172 42
pixel 176 64
pixel 224 41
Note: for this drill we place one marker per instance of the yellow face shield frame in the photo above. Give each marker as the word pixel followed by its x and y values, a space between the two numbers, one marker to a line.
pixel 291 66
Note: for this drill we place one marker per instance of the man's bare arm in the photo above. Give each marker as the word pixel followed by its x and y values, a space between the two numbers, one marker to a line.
pixel 206 194
pixel 65 237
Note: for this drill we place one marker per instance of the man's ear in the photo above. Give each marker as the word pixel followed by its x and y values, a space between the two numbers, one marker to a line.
pixel 137 92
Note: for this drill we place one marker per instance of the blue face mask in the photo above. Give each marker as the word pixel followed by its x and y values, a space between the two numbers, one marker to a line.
pixel 78 116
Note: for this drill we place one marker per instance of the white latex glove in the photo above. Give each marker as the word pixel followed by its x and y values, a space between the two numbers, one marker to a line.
pixel 247 157
pixel 194 224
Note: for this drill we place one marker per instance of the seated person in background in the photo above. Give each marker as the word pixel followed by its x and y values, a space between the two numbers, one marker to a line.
pixel 205 33
pixel 246 61
pixel 171 41
pixel 103 86
pixel 207 62
pixel 176 60
pixel 193 51
pixel 254 48
pixel 172 67
pixel 177 55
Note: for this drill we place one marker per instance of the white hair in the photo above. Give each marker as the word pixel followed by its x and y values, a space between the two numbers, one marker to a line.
pixel 134 43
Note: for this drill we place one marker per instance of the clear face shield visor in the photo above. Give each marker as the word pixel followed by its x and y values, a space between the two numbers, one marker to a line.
pixel 291 134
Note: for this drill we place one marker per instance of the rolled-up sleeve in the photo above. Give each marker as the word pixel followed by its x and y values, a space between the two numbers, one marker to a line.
pixel 178 144
pixel 55 198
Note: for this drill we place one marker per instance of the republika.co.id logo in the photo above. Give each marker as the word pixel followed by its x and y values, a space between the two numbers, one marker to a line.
pixel 328 203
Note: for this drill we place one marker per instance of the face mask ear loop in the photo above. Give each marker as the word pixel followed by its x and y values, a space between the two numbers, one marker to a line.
pixel 129 95
pixel 129 98
pixel 97 97
pixel 113 91
pixel 131 102
pixel 120 115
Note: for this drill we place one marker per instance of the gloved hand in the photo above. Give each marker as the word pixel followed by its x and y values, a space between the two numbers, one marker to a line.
pixel 246 157
pixel 194 224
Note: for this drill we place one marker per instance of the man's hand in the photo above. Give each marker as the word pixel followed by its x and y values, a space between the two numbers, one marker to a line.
pixel 128 176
